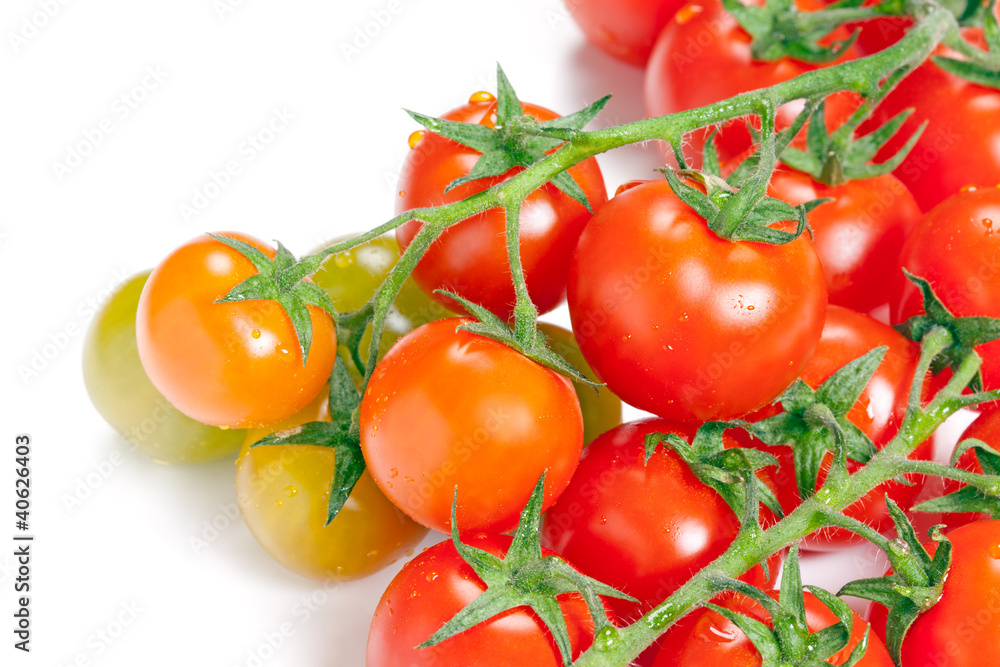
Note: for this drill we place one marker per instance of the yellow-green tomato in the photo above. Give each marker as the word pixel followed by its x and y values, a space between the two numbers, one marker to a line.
pixel 283 491
pixel 352 277
pixel 128 401
pixel 602 410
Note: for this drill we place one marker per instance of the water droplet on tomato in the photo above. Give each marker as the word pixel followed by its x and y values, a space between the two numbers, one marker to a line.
pixel 994 551
pixel 372 553
pixel 255 333
pixel 968 188
pixel 278 502
pixel 481 96
pixel 988 225
pixel 402 193
pixel 626 338
pixel 343 259
pixel 431 576
pixel 687 12
pixel 224 427
pixel 750 307
pixel 392 473
pixel 415 138
pixel 290 491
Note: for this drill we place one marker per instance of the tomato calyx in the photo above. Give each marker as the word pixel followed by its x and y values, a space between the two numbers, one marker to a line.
pixel 340 434
pixel 916 584
pixel 814 422
pixel 515 140
pixel 280 280
pixel 526 578
pixel 983 499
pixel 788 640
pixel 532 342
pixel 966 332
pixel 729 471
pixel 978 67
pixel 780 30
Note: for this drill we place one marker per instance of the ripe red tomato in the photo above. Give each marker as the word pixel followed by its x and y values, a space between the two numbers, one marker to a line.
pixel 858 236
pixel 961 145
pixel 446 407
pixel 683 323
pixel 961 630
pixel 703 56
pixel 470 258
pixel 625 29
pixel 642 528
pixel 436 585
pixel 235 365
pixel 706 637
pixel 956 248
pixel 878 412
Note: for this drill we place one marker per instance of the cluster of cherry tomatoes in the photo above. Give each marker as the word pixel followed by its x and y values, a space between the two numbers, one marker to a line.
pixel 216 349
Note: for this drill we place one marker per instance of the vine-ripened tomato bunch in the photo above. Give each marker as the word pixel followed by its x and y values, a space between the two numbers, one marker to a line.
pixel 797 315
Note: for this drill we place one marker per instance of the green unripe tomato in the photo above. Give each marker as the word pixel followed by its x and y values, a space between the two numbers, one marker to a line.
pixel 128 401
pixel 602 410
pixel 352 277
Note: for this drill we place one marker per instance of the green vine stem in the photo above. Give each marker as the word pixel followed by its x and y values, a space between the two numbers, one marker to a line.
pixel 862 76
pixel 618 647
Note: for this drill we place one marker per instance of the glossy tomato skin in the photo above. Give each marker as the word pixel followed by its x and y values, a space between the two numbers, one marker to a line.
pixel 961 630
pixel 858 236
pixel 642 528
pixel 703 56
pixel 447 408
pixel 470 258
pixel 878 412
pixel 352 277
pixel 961 145
pixel 705 637
pixel 684 324
pixel 625 29
pixel 436 585
pixel 956 248
pixel 602 410
pixel 122 393
pixel 283 492
pixel 234 365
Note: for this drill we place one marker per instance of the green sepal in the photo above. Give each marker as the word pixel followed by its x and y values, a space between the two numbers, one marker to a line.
pixel 492 327
pixel 970 71
pixel 721 200
pixel 814 422
pixel 966 332
pixel 281 280
pixel 971 498
pixel 516 140
pixel 916 584
pixel 788 641
pixel 351 329
pixel 525 578
pixel 729 471
pixel 778 32
pixel 340 434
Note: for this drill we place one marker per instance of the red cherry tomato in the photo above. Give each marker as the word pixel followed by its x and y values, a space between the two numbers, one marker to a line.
pixel 956 248
pixel 703 56
pixel 705 638
pixel 959 148
pixel 878 412
pixel 447 408
pixel 237 364
pixel 961 630
pixel 435 586
pixel 470 258
pixel 683 323
pixel 642 528
pixel 986 427
pixel 858 235
pixel 625 29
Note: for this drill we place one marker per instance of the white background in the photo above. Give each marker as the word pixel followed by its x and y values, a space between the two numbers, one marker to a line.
pixel 113 530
